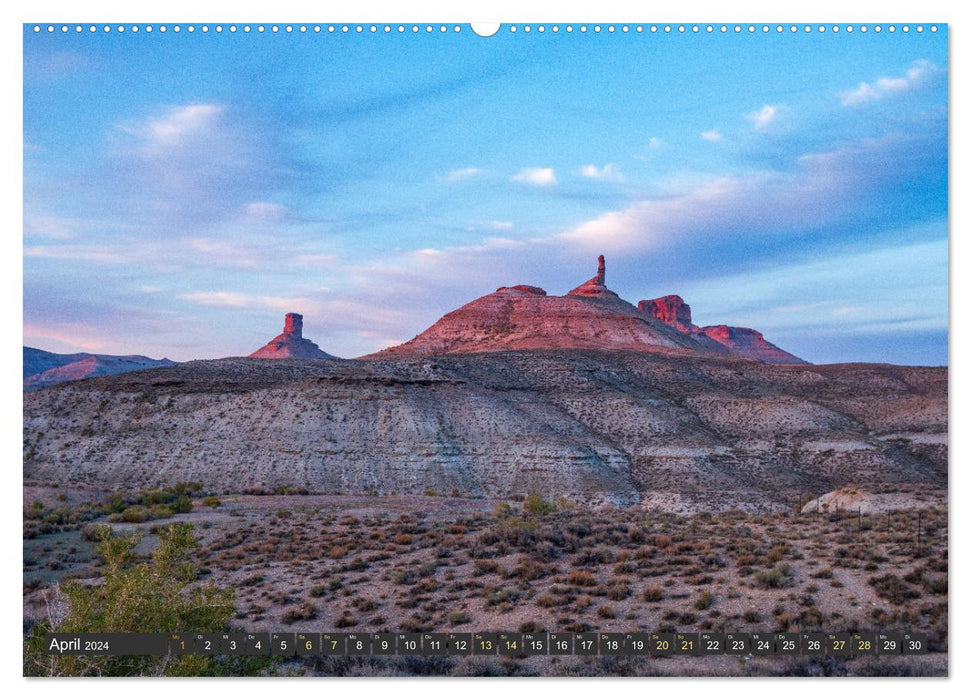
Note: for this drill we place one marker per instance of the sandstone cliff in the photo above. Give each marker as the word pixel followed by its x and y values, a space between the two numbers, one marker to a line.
pixel 743 342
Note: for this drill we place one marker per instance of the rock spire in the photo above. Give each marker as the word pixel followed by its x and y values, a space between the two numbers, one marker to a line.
pixel 291 343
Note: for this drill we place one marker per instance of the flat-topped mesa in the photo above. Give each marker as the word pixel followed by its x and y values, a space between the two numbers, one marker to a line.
pixel 525 289
pixel 596 285
pixel 745 342
pixel 291 343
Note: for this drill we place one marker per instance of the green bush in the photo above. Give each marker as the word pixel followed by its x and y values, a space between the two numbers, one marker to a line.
pixel 459 617
pixel 535 505
pixel 95 533
pixel 182 504
pixel 135 514
pixel 773 578
pixel 160 512
pixel 158 595
pixel 212 501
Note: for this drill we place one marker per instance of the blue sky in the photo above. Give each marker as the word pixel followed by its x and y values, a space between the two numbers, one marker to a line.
pixel 182 192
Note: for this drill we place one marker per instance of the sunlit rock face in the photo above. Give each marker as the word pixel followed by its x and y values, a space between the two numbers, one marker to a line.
pixel 589 317
pixel 670 310
pixel 291 343
pixel 524 317
pixel 741 342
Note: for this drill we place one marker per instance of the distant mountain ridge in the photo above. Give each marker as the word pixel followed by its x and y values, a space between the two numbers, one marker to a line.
pixel 43 368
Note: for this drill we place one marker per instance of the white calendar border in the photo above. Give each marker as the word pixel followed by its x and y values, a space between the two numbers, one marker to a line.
pixel 830 11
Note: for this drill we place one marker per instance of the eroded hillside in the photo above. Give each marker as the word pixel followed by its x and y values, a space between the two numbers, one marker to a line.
pixel 593 426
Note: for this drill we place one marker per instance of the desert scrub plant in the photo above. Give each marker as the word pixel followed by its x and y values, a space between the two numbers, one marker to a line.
pixel 513 531
pixel 459 617
pixel 545 600
pixel 582 577
pixel 160 512
pixel 146 596
pixel 618 589
pixel 606 612
pixel 345 620
pixel 135 514
pixel 893 589
pixel 307 611
pixel 652 594
pixel 535 505
pixel 773 578
pixel 211 501
pixel 528 569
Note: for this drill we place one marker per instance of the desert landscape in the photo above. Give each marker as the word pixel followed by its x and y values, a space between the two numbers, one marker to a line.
pixel 490 475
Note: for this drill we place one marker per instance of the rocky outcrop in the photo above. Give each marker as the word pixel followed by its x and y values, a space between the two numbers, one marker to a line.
pixel 742 342
pixel 42 368
pixel 670 310
pixel 291 343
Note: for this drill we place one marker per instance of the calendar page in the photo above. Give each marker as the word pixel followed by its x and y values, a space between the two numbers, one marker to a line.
pixel 438 349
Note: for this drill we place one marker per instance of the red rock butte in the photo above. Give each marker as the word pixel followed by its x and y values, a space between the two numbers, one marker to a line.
pixel 589 317
pixel 746 342
pixel 291 343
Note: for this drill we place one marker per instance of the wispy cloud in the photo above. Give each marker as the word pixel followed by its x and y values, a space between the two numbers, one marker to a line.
pixel 821 188
pixel 840 290
pixel 231 299
pixel 70 337
pixel 458 174
pixel 762 118
pixel 918 74
pixel 183 167
pixel 316 260
pixel 226 252
pixel 849 310
pixel 74 252
pixel 711 135
pixel 264 211
pixel 48 226
pixel 249 301
pixel 174 127
pixel 606 172
pixel 538 177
